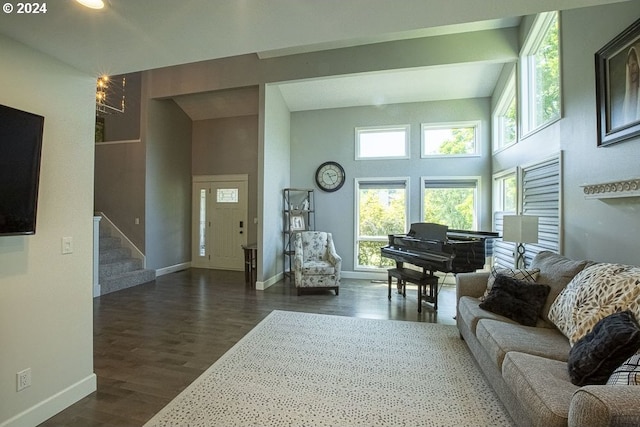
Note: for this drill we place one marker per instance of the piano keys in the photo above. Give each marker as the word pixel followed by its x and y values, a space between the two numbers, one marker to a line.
pixel 436 248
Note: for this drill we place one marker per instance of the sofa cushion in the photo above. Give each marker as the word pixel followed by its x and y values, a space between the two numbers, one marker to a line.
pixel 498 338
pixel 596 292
pixel 521 274
pixel 543 384
pixel 628 373
pixel 593 358
pixel 555 271
pixel 470 313
pixel 518 300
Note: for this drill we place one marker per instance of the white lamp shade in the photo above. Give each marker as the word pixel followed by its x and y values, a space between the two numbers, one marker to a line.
pixel 520 229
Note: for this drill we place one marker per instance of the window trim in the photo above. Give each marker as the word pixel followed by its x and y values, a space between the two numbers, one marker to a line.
pixel 406 180
pixel 476 124
pixel 372 129
pixel 509 92
pixel 537 33
pixel 478 198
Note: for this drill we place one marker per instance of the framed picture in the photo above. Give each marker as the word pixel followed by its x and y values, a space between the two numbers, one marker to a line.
pixel 296 223
pixel 618 87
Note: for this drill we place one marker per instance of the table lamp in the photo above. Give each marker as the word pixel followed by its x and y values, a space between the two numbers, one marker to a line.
pixel 520 229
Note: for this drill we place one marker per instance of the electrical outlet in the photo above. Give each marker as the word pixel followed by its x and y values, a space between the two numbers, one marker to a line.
pixel 23 379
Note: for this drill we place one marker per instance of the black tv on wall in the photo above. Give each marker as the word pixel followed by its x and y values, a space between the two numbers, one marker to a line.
pixel 20 149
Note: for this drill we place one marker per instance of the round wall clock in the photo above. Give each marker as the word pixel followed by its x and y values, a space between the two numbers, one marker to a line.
pixel 330 176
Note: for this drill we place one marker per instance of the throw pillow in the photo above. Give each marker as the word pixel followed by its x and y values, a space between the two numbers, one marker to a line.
pixel 521 274
pixel 594 293
pixel 556 271
pixel 628 373
pixel 518 300
pixel 613 340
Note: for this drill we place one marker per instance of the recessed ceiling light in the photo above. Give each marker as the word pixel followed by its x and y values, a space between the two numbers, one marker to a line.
pixel 93 4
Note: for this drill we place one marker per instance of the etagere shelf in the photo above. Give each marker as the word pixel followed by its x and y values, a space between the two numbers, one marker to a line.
pixel 298 215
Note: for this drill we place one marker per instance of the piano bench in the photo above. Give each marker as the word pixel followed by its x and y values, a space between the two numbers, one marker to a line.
pixel 404 275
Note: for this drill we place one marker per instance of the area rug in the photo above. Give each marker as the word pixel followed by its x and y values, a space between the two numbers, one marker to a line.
pixel 302 369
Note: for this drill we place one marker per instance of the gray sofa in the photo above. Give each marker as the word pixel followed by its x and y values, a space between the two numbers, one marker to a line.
pixel 527 366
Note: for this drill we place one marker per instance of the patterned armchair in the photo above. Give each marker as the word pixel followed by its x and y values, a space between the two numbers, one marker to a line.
pixel 316 264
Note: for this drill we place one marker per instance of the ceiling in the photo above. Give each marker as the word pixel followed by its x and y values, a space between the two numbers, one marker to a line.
pixel 129 36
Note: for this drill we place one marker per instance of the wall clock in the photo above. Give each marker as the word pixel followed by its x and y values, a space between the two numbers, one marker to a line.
pixel 330 176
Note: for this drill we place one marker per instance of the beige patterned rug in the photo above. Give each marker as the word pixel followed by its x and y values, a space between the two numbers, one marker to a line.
pixel 302 369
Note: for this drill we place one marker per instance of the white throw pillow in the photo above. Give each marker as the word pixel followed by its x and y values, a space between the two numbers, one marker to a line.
pixel 593 294
pixel 628 373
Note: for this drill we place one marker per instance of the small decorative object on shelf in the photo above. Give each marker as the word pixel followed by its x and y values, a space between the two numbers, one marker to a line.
pixel 613 189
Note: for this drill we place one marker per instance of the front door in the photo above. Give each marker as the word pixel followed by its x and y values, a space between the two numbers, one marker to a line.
pixel 219 222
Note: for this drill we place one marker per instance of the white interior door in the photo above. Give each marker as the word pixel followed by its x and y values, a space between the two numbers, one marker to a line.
pixel 219 222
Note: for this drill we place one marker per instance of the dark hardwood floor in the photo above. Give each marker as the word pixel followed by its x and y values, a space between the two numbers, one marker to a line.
pixel 152 340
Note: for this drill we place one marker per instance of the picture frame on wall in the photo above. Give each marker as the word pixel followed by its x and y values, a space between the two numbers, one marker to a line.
pixel 296 223
pixel 618 87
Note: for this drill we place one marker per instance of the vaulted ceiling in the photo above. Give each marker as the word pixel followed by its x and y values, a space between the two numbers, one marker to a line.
pixel 130 36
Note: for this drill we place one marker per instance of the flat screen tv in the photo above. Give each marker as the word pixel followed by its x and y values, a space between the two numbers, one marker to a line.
pixel 20 148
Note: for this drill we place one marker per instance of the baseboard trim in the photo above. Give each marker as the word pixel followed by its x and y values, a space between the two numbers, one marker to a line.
pixel 261 286
pixel 173 268
pixel 46 409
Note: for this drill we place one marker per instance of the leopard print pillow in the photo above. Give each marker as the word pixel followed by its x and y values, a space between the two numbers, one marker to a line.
pixel 593 294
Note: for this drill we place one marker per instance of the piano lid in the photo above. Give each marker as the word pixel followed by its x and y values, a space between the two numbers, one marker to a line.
pixel 428 231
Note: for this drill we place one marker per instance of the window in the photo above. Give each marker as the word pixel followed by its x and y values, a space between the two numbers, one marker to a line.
pixel 382 142
pixel 540 67
pixel 382 208
pixel 540 189
pixel 505 117
pixel 450 139
pixel 505 192
pixel 451 201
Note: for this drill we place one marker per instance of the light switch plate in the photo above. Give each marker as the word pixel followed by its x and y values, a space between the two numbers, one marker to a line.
pixel 67 245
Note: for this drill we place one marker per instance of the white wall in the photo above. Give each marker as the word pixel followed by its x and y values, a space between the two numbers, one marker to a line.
pixel 322 135
pixel 46 302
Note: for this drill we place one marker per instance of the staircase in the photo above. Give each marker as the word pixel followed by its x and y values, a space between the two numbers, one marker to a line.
pixel 117 268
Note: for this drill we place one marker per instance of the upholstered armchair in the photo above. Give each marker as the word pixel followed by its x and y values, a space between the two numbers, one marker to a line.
pixel 316 264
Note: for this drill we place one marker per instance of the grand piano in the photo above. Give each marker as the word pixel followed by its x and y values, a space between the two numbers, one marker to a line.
pixel 434 247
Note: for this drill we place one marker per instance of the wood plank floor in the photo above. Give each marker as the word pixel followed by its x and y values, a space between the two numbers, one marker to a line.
pixel 153 340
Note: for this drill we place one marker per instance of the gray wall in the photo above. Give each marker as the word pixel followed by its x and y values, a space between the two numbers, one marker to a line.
pixel 229 146
pixel 322 135
pixel 274 173
pixel 119 187
pixel 593 229
pixel 168 185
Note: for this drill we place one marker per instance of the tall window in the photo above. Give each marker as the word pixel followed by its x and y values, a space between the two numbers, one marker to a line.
pixel 505 192
pixel 450 139
pixel 385 142
pixel 382 208
pixel 505 117
pixel 540 65
pixel 451 201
